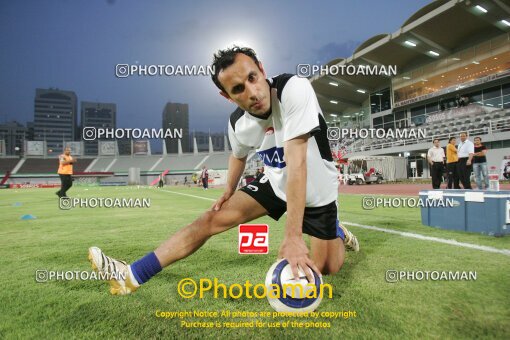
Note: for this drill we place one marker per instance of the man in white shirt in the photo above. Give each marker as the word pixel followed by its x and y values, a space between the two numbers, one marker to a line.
pixel 466 151
pixel 281 119
pixel 435 157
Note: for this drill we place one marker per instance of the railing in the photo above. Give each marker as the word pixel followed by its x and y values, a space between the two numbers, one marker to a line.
pixel 495 125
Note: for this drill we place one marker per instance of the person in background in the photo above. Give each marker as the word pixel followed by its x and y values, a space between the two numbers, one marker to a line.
pixel 451 164
pixel 65 172
pixel 160 182
pixel 435 157
pixel 465 151
pixel 480 164
pixel 204 176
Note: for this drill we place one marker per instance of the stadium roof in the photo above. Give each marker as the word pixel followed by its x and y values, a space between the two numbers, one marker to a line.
pixel 436 31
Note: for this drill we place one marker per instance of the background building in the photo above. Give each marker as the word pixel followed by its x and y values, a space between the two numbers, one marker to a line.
pixel 13 134
pixel 176 116
pixel 55 117
pixel 98 115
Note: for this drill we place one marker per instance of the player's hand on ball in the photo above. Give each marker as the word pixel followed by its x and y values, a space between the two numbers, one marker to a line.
pixel 294 249
pixel 219 202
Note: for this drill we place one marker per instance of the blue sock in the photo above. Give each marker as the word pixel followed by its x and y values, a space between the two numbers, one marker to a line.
pixel 339 231
pixel 145 268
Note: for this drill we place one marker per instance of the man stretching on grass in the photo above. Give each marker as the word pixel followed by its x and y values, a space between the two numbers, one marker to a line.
pixel 280 117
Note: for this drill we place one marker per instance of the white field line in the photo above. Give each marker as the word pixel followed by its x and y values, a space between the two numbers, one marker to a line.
pixel 431 238
pixel 400 233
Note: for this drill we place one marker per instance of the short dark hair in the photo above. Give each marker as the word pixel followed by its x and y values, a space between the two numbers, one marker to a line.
pixel 480 138
pixel 449 140
pixel 433 141
pixel 224 58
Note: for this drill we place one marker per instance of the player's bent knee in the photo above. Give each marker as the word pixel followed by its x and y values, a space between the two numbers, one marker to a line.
pixel 331 268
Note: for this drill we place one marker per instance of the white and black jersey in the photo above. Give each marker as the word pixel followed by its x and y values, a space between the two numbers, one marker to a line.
pixel 294 112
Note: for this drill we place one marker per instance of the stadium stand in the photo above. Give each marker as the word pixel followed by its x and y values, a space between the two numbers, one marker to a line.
pixel 487 123
pixel 42 166
pixel 181 163
pixel 217 161
pixel 101 164
pixel 123 163
pixel 7 164
pixel 159 163
pixel 445 84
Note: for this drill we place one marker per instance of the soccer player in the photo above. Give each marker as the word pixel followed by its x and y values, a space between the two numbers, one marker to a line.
pixel 280 117
pixel 65 172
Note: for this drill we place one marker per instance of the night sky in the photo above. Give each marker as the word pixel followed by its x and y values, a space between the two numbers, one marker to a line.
pixel 75 45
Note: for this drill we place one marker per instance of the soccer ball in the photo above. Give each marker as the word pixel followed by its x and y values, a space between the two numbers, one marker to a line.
pixel 295 299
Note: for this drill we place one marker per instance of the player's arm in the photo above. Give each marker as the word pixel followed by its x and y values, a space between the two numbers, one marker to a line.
pixel 293 247
pixel 235 171
pixel 471 153
pixel 301 119
pixel 429 156
pixel 481 153
pixel 64 162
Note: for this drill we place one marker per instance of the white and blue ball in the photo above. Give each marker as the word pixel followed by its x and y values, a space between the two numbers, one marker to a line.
pixel 280 273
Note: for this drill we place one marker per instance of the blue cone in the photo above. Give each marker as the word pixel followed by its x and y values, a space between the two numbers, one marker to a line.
pixel 28 217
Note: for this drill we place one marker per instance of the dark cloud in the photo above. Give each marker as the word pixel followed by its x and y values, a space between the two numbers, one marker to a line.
pixel 334 50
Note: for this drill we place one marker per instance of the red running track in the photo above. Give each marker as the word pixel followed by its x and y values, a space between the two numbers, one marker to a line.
pixel 404 189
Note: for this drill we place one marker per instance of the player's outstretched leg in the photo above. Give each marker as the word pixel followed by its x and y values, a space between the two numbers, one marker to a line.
pixel 240 208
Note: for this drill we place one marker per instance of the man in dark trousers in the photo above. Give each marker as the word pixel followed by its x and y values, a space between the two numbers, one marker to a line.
pixel 65 172
pixel 465 151
pixel 205 178
pixel 435 157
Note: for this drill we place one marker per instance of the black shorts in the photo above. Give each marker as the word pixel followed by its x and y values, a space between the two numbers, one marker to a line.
pixel 321 222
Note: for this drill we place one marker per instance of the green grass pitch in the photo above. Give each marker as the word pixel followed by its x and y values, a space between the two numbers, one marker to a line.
pixel 58 240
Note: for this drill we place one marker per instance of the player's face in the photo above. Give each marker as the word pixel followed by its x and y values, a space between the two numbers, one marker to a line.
pixel 436 143
pixel 477 141
pixel 463 137
pixel 453 141
pixel 245 84
pixel 67 151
